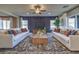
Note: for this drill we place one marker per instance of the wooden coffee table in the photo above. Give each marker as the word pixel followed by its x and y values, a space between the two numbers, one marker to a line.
pixel 39 40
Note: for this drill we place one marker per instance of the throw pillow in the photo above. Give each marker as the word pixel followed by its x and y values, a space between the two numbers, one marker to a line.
pixel 73 32
pixel 10 32
pixel 23 29
pixel 69 33
pixel 34 31
pixel 55 30
pixel 66 33
pixel 14 32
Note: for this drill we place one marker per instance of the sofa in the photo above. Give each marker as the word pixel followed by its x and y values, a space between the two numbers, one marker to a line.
pixel 10 41
pixel 71 41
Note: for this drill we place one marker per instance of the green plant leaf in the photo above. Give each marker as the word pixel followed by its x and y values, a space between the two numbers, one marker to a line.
pixel 57 22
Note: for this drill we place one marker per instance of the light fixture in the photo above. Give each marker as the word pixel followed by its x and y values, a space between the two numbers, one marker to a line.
pixel 38 9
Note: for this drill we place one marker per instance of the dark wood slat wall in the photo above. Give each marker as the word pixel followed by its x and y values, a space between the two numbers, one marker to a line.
pixel 34 21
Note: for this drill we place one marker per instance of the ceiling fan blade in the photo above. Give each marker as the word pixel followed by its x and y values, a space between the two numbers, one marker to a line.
pixel 32 10
pixel 43 10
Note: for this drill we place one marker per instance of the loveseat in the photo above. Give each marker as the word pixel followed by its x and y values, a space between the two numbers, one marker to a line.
pixel 71 41
pixel 10 40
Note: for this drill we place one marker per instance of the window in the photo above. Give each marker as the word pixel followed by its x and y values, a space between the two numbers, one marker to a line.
pixel 51 24
pixel 4 24
pixel 1 24
pixel 24 24
pixel 71 22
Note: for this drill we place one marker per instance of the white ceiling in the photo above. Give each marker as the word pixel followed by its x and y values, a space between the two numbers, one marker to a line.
pixel 24 9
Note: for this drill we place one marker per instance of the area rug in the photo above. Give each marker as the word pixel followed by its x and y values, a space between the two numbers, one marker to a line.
pixel 26 47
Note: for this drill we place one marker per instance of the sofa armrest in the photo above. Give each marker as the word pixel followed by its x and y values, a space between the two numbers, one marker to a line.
pixel 5 41
pixel 74 42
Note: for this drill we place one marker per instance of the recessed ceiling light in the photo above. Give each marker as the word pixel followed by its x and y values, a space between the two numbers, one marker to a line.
pixel 49 13
pixel 27 13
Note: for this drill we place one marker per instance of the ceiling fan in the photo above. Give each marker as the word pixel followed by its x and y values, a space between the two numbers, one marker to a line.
pixel 37 9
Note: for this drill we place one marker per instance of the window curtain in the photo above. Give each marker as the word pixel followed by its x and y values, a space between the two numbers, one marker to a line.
pixel 14 22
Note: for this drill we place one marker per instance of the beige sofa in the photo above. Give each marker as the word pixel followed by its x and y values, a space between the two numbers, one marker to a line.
pixel 10 41
pixel 71 42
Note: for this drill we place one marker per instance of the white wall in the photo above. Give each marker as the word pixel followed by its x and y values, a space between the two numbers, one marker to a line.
pixel 64 18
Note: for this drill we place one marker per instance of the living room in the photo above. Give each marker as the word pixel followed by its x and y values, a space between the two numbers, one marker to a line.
pixel 39 28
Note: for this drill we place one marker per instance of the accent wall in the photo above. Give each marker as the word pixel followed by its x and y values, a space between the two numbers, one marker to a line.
pixel 38 21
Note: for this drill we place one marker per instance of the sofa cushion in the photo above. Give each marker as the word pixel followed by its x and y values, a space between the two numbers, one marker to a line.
pixel 20 35
pixel 63 37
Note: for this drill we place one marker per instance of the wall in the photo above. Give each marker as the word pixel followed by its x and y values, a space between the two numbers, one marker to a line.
pixel 63 20
pixel 35 21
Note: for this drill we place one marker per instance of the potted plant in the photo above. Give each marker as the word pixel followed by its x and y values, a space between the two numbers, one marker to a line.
pixel 57 24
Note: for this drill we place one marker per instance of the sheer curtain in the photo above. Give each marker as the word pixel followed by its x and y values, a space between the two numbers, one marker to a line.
pixel 24 23
pixel 1 23
pixel 5 23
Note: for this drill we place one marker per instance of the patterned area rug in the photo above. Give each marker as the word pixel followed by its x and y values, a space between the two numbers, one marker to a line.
pixel 26 47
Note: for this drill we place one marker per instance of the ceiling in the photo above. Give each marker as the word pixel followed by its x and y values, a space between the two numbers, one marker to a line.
pixel 24 9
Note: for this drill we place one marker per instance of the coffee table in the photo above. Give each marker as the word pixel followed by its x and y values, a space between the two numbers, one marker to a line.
pixel 39 40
